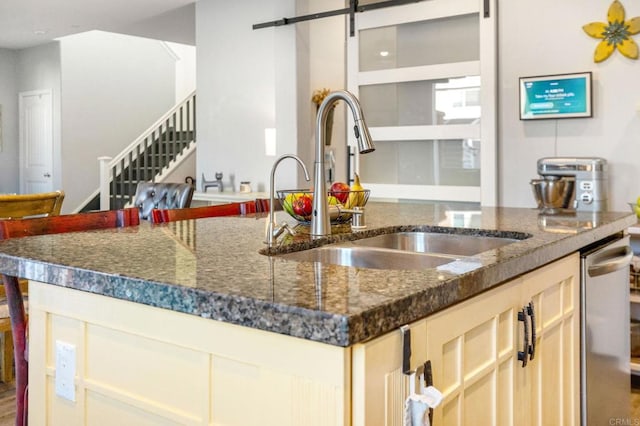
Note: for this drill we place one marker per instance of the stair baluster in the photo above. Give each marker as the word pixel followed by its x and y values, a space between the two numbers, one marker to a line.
pixel 149 156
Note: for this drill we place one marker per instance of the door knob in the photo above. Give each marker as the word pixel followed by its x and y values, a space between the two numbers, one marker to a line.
pixel 47 174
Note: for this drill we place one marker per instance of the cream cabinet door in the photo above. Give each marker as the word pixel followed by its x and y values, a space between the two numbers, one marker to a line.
pixel 549 387
pixel 476 349
pixel 473 351
pixel 379 387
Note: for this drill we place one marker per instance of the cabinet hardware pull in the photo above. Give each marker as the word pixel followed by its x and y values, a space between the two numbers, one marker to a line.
pixel 522 355
pixel 428 374
pixel 428 381
pixel 531 311
pixel 406 349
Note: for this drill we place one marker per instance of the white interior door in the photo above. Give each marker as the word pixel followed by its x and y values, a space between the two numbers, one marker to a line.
pixel 36 141
pixel 425 76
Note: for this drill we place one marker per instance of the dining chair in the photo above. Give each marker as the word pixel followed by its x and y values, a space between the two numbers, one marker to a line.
pixel 18 228
pixel 161 195
pixel 24 205
pixel 18 206
pixel 6 338
pixel 262 205
pixel 231 209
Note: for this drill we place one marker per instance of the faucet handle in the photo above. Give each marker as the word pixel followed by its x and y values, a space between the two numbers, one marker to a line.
pixel 274 231
pixel 287 228
pixel 357 218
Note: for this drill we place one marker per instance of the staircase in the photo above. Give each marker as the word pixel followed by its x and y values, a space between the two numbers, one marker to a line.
pixel 150 157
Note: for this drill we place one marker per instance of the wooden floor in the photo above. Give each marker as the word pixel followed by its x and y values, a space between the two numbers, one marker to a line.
pixel 635 405
pixel 7 404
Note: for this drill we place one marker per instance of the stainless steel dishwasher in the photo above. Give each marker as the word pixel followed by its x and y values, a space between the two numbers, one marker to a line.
pixel 605 374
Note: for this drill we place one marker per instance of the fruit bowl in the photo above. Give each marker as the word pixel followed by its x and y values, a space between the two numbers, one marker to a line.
pixel 635 208
pixel 299 204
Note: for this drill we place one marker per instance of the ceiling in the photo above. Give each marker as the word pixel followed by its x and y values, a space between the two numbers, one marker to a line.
pixel 28 23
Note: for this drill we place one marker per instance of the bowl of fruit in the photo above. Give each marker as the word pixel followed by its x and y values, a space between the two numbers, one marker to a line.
pixel 340 197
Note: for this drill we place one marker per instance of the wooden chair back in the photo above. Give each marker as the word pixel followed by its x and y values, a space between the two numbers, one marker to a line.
pixel 6 338
pixel 262 205
pixel 24 205
pixel 231 209
pixel 17 228
pixel 20 206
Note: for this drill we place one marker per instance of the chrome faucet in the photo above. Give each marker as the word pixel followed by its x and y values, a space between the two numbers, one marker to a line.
pixel 273 230
pixel 320 223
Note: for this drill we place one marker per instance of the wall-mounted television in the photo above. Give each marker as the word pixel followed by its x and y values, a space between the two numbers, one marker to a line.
pixel 555 96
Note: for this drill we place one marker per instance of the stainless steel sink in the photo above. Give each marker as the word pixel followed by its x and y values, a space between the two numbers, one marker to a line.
pixel 368 257
pixel 433 242
pixel 403 250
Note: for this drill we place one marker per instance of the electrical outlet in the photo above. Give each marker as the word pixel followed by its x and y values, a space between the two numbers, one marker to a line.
pixel 65 370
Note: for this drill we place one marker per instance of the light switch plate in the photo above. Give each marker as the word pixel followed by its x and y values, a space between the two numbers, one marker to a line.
pixel 65 370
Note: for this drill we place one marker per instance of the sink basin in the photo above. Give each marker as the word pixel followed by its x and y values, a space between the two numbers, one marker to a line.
pixel 368 257
pixel 433 242
pixel 406 250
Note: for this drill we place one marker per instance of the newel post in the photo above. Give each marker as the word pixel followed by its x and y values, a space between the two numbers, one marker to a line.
pixel 104 182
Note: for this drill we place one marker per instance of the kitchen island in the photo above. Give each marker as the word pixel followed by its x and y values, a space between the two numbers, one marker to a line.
pixel 191 323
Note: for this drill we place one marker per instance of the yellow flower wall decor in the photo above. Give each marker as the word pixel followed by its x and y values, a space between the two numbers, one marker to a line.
pixel 615 33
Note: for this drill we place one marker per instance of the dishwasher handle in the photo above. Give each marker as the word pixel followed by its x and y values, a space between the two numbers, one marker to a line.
pixel 610 260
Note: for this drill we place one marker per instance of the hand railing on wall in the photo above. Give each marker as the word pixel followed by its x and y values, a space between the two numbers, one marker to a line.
pixel 148 155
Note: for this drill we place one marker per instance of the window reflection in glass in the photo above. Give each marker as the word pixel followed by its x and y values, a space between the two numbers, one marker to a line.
pixel 452 162
pixel 428 102
pixel 437 41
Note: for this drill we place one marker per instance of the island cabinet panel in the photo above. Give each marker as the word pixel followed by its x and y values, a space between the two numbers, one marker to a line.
pixel 550 383
pixel 379 387
pixel 473 348
pixel 141 365
pixel 473 354
pixel 136 364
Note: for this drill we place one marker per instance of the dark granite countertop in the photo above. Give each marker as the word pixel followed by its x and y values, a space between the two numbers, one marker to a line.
pixel 213 267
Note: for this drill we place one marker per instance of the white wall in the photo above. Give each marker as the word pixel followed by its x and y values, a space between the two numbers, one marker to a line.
pixel 9 122
pixel 114 87
pixel 184 170
pixel 548 39
pixel 246 76
pixel 39 68
pixel 185 56
pixel 327 69
pixel 246 82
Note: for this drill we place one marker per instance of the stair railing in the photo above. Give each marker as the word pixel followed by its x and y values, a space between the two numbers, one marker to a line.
pixel 148 155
